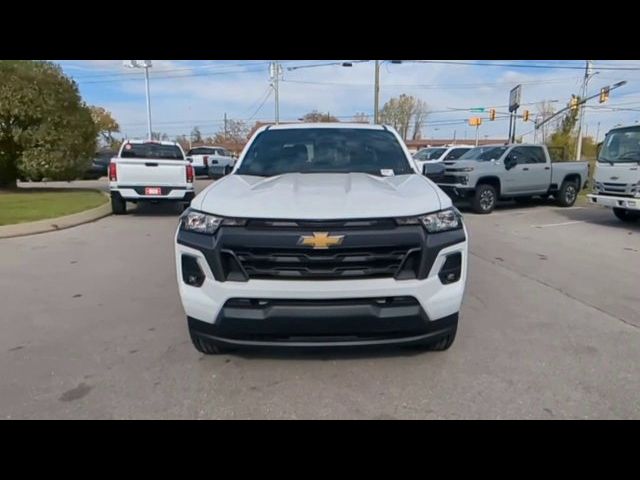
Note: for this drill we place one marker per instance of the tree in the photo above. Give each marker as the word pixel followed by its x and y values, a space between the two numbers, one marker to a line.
pixel 46 130
pixel 159 136
pixel 563 137
pixel 545 110
pixel 196 135
pixel 316 116
pixel 419 114
pixel 399 112
pixel 105 124
pixel 234 136
pixel 183 141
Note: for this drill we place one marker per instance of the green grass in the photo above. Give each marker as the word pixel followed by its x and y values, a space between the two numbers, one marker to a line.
pixel 29 205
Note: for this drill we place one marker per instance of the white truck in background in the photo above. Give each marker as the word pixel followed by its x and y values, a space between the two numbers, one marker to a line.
pixel 205 156
pixel 150 171
pixel 616 181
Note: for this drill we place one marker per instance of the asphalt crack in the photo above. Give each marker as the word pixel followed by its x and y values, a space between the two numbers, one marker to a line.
pixel 557 289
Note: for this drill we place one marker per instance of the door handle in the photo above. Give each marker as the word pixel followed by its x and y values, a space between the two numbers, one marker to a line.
pixel 547 168
pixel 150 164
pixel 525 169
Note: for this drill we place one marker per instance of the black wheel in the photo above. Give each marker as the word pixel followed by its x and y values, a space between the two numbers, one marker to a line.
pixel 568 194
pixel 484 200
pixel 626 215
pixel 118 205
pixel 207 347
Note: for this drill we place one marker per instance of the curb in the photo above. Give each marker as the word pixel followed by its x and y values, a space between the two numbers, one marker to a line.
pixel 54 224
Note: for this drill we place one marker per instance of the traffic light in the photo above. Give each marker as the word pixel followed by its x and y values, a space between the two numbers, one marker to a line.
pixel 525 116
pixel 492 114
pixel 604 94
pixel 574 102
pixel 475 121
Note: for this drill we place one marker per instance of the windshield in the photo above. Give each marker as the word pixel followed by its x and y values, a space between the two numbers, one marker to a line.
pixel 484 154
pixel 429 153
pixel 152 150
pixel 621 146
pixel 325 150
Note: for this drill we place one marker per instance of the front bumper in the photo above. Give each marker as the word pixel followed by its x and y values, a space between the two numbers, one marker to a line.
pixel 325 323
pixel 206 303
pixel 136 193
pixel 609 201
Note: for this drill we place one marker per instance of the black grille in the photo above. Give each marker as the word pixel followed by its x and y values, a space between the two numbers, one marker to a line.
pixel 337 263
pixel 377 223
pixel 445 179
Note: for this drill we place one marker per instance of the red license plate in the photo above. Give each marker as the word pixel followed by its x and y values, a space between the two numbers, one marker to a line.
pixel 153 191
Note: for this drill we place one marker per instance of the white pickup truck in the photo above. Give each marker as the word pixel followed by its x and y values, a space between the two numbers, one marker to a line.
pixel 322 235
pixel 205 156
pixel 150 171
pixel 616 181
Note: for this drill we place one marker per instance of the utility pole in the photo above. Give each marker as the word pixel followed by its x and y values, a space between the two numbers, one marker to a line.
pixel 597 133
pixel 376 93
pixel 225 125
pixel 275 71
pixel 587 75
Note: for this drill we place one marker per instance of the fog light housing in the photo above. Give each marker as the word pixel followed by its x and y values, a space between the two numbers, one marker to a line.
pixel 192 274
pixel 451 270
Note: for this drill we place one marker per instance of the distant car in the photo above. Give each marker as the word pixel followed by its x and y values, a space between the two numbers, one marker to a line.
pixel 439 154
pixel 99 165
pixel 204 156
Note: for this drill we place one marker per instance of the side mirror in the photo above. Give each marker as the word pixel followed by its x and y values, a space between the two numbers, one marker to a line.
pixel 219 171
pixel 510 162
pixel 433 169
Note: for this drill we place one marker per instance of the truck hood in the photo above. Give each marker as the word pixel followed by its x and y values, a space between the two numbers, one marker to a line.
pixel 455 164
pixel 617 173
pixel 321 196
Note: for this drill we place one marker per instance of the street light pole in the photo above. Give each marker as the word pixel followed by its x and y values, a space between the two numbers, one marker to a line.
pixel 376 93
pixel 146 64
pixel 587 76
pixel 146 81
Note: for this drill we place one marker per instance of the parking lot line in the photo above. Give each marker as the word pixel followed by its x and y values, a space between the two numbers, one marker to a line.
pixel 557 224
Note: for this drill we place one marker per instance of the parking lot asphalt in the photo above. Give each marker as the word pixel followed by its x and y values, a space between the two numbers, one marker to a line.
pixel 92 327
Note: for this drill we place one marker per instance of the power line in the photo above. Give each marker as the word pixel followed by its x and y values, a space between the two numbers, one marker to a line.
pixel 520 65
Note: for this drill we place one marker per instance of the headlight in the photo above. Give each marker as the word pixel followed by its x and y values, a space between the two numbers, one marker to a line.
pixel 199 222
pixel 449 219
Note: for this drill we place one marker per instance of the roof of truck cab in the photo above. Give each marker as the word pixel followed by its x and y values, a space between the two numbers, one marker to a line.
pixel 289 126
pixel 159 142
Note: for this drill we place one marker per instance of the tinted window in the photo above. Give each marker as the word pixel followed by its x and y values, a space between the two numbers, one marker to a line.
pixel 325 150
pixel 152 150
pixel 537 154
pixel 484 154
pixel 527 155
pixel 429 153
pixel 201 151
pixel 456 153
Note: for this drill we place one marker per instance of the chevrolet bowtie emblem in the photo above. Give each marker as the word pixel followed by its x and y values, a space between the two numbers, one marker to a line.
pixel 320 240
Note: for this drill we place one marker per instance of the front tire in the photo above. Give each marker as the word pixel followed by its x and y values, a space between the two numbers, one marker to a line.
pixel 626 215
pixel 485 199
pixel 568 194
pixel 118 205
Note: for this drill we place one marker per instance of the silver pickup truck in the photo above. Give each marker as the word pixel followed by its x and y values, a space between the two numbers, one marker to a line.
pixel 486 174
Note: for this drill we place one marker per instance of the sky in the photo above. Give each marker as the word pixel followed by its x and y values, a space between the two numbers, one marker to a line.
pixel 185 93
